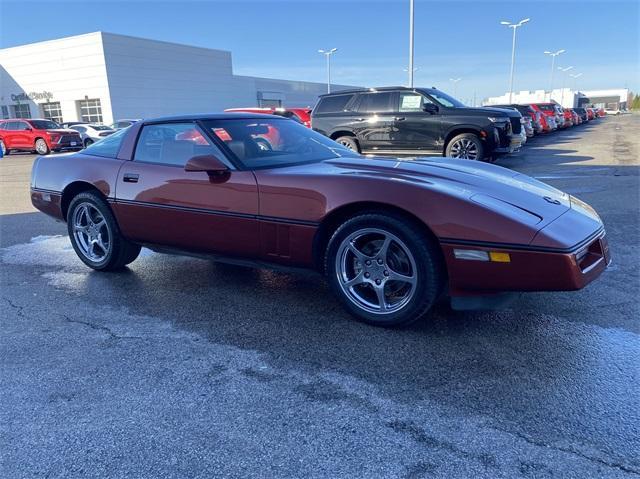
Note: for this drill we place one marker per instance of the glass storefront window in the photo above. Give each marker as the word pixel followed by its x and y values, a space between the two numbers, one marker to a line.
pixel 52 111
pixel 21 111
pixel 90 110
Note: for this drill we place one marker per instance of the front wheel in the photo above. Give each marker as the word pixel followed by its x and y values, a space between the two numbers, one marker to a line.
pixel 348 142
pixel 95 235
pixel 384 269
pixel 88 142
pixel 466 146
pixel 41 147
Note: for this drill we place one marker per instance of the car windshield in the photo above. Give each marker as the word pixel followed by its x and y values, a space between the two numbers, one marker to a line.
pixel 445 100
pixel 259 143
pixel 100 127
pixel 44 124
pixel 547 107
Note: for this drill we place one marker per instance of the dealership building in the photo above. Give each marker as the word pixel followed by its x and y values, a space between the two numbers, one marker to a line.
pixel 614 99
pixel 101 77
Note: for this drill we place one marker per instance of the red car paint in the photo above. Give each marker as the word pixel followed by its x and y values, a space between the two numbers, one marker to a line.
pixel 301 115
pixel 22 134
pixel 285 215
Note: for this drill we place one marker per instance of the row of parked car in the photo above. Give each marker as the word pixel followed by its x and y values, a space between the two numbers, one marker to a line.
pixel 44 136
pixel 425 121
pixel 379 121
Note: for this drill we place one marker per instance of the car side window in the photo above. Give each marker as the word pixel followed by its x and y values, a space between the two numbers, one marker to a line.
pixel 108 147
pixel 410 101
pixel 333 104
pixel 79 128
pixel 173 144
pixel 375 102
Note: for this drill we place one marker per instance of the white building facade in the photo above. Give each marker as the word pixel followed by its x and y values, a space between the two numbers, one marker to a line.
pixel 614 99
pixel 101 77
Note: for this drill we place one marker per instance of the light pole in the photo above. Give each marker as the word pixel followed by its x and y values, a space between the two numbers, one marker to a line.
pixel 455 86
pixel 553 64
pixel 513 50
pixel 563 70
pixel 415 69
pixel 410 69
pixel 328 53
pixel 575 77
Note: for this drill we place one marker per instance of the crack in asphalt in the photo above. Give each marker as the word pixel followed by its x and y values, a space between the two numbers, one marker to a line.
pixel 97 327
pixel 567 450
pixel 19 309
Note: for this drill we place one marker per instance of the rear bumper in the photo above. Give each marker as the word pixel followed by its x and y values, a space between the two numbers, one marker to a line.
pixel 529 269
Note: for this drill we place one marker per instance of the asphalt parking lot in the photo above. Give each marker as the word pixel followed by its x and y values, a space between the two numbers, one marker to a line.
pixel 179 367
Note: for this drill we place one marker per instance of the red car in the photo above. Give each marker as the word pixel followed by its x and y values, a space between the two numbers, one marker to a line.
pixel 41 136
pixel 591 114
pixel 549 115
pixel 391 236
pixel 301 115
pixel 568 117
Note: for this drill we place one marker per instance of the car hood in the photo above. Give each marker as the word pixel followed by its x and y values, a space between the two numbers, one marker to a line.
pixel 496 188
pixel 62 131
pixel 473 111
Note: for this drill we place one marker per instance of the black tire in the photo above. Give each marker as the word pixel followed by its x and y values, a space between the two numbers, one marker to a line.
pixel 88 142
pixel 120 251
pixel 349 142
pixel 429 267
pixel 463 139
pixel 3 148
pixel 41 147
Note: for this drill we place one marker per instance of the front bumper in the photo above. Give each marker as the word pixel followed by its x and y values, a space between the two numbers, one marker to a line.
pixel 529 268
pixel 67 144
pixel 514 142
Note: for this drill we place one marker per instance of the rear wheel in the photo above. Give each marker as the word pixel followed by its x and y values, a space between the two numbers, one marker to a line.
pixel 384 270
pixel 349 142
pixel 466 146
pixel 3 148
pixel 95 235
pixel 41 147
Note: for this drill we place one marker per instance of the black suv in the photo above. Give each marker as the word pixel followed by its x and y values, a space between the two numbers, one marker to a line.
pixel 415 121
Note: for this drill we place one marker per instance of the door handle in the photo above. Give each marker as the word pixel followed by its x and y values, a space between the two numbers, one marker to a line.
pixel 130 178
pixel 400 118
pixel 359 119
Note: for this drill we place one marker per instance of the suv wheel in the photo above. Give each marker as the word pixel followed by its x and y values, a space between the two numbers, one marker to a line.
pixel 41 147
pixel 95 235
pixel 383 269
pixel 466 146
pixel 349 142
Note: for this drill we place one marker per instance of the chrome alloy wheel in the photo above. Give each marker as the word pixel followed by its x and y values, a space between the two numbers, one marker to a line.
pixel 464 149
pixel 41 147
pixel 346 144
pixel 376 271
pixel 91 233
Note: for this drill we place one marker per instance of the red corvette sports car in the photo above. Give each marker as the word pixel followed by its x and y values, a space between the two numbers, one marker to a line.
pixel 391 236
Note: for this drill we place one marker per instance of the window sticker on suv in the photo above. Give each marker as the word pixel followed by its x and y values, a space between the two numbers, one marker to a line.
pixel 410 102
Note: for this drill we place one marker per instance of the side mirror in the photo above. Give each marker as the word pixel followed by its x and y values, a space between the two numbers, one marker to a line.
pixel 209 163
pixel 430 108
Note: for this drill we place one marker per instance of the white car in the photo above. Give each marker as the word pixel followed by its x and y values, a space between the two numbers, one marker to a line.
pixel 609 111
pixel 124 123
pixel 91 133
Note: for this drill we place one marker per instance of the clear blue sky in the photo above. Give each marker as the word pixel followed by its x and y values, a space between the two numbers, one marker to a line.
pixel 280 38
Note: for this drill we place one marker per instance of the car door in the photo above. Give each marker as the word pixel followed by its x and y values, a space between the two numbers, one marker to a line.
pixel 416 130
pixel 373 120
pixel 158 202
pixel 9 134
pixel 23 135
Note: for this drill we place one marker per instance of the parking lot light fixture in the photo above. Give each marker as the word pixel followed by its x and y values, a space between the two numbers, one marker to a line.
pixel 327 54
pixel 564 71
pixel 553 65
pixel 575 77
pixel 513 50
pixel 455 85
